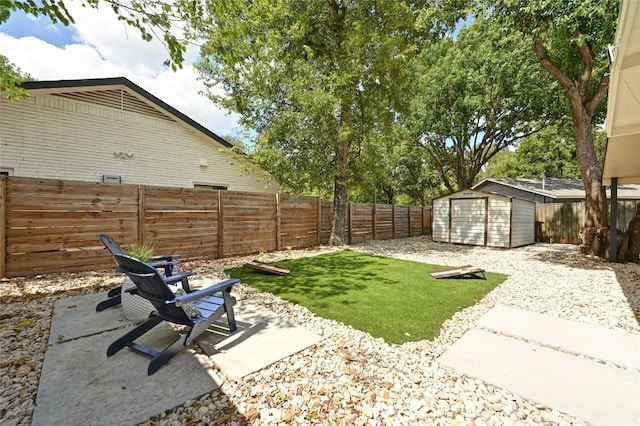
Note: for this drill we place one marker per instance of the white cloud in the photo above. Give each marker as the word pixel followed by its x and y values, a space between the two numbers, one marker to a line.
pixel 105 47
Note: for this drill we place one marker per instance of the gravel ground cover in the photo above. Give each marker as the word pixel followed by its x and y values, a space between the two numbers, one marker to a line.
pixel 349 378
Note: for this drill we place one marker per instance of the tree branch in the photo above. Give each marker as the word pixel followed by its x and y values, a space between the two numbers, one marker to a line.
pixel 586 57
pixel 599 94
pixel 546 63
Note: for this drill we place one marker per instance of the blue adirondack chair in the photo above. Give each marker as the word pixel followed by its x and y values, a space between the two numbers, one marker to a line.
pixel 165 262
pixel 197 310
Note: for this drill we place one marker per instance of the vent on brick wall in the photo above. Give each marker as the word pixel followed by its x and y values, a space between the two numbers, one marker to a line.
pixel 115 98
pixel 111 179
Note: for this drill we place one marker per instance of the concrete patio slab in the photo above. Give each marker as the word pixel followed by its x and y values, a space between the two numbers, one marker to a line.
pixel 589 390
pixel 76 317
pixel 615 346
pixel 80 385
pixel 262 338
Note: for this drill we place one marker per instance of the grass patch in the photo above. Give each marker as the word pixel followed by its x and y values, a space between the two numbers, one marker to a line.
pixel 394 299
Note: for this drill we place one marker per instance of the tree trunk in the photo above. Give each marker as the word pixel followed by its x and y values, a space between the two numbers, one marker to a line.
pixel 338 237
pixel 633 249
pixel 594 234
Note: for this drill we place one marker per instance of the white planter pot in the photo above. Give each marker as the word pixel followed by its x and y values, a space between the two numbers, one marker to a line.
pixel 134 307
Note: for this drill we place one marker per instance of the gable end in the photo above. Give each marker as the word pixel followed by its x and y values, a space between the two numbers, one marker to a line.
pixel 118 99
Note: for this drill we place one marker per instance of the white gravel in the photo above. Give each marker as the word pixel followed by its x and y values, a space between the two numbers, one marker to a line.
pixel 350 377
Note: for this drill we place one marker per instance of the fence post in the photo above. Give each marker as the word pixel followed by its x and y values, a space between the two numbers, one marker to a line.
pixel 374 224
pixel 349 221
pixel 220 225
pixel 3 225
pixel 409 220
pixel 393 221
pixel 141 213
pixel 319 228
pixel 278 218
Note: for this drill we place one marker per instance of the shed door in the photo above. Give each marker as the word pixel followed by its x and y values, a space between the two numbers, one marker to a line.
pixel 468 221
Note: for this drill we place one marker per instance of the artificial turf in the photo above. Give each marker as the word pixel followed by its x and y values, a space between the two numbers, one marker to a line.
pixel 390 298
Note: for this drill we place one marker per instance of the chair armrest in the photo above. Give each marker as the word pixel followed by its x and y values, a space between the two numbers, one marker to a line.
pixel 199 294
pixel 175 278
pixel 168 257
pixel 165 264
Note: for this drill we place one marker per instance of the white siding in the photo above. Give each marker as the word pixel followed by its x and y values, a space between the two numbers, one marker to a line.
pixel 475 214
pixel 46 136
pixel 440 220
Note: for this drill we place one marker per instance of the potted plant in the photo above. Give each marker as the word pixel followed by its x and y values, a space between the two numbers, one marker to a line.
pixel 141 251
pixel 134 307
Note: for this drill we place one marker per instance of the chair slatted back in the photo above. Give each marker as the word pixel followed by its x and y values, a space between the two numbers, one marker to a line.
pixel 151 286
pixel 111 244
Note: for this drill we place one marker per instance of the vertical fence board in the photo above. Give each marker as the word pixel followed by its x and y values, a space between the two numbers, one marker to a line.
pixel 278 222
pixel 319 220
pixel 141 213
pixel 220 224
pixel 3 224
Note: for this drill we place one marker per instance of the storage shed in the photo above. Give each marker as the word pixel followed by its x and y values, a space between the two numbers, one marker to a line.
pixel 483 219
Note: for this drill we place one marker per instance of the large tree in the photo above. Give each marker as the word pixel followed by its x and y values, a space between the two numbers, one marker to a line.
pixel 318 80
pixel 569 39
pixel 477 94
pixel 550 152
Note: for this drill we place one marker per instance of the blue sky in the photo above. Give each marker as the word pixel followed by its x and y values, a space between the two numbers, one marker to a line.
pixel 99 46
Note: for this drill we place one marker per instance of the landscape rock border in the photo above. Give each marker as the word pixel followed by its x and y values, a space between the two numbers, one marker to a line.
pixel 350 377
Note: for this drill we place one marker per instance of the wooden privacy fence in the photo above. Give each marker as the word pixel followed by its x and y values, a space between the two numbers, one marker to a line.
pixel 562 222
pixel 49 226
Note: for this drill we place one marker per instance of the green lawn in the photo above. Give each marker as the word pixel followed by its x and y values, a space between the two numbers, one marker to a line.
pixel 394 299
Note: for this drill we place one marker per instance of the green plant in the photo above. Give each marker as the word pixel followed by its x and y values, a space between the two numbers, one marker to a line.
pixel 390 298
pixel 141 251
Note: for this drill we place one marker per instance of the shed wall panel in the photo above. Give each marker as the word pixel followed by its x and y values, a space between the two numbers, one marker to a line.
pixel 523 225
pixel 440 224
pixel 499 222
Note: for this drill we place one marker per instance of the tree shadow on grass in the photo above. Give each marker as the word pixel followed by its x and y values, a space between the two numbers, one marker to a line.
pixel 318 277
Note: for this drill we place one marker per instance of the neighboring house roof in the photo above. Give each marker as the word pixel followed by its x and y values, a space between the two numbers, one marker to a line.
pixel 554 189
pixel 98 90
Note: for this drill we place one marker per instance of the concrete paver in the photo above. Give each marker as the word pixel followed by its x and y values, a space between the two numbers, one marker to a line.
pixel 259 332
pixel 599 393
pixel 615 346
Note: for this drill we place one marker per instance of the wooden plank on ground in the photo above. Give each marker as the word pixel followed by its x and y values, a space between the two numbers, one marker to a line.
pixel 267 268
pixel 466 271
